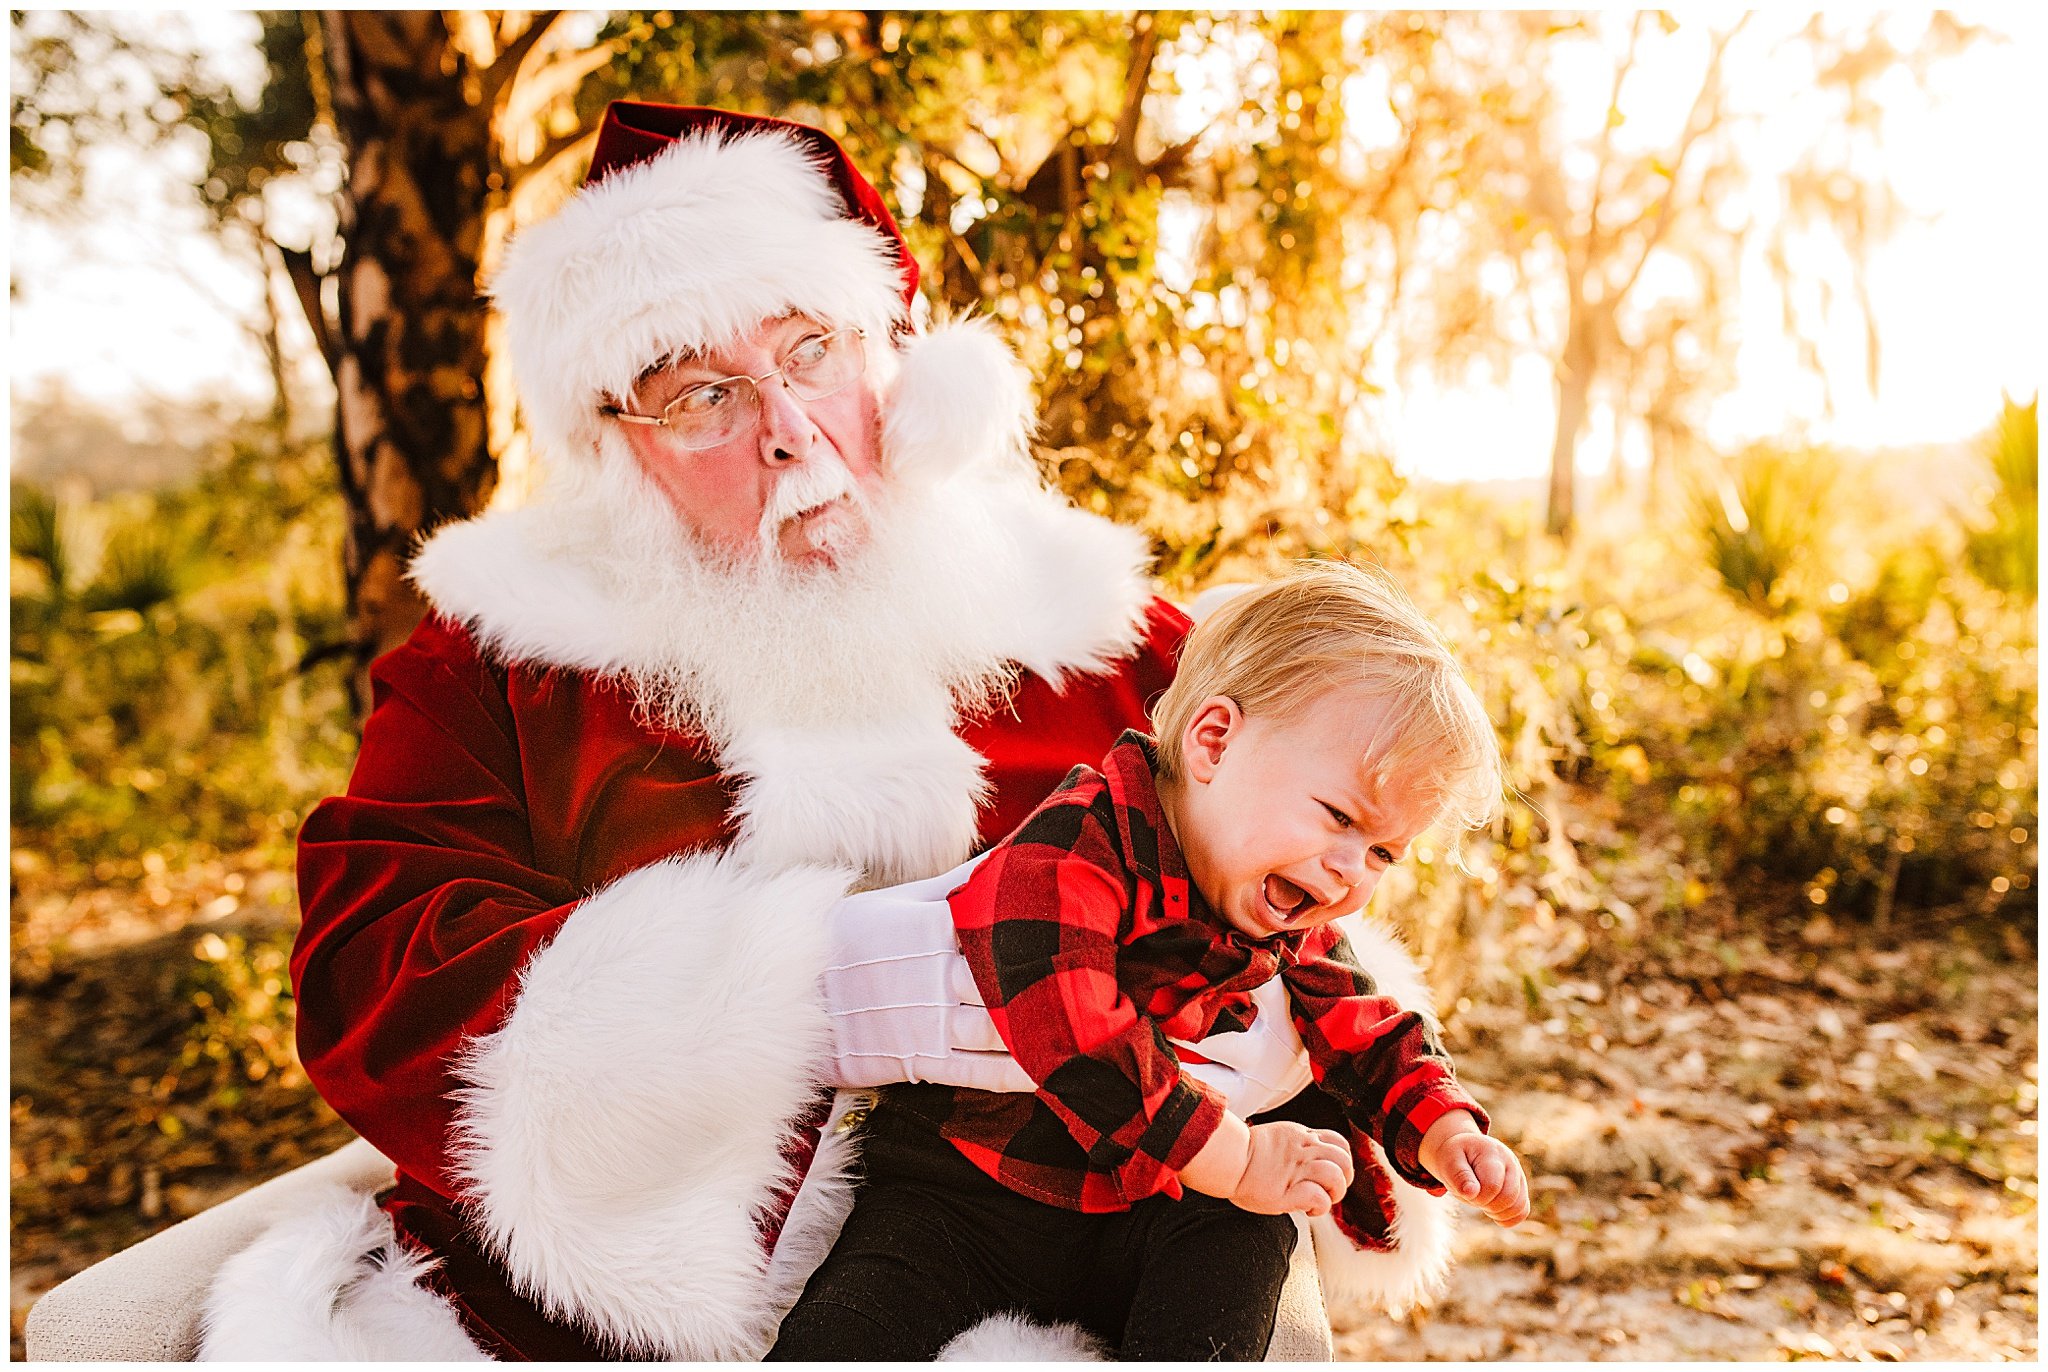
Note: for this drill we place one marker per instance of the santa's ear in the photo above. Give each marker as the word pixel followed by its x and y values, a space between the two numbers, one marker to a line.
pixel 959 401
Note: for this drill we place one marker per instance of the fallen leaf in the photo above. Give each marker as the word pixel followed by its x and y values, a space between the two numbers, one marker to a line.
pixel 1774 1260
pixel 1831 979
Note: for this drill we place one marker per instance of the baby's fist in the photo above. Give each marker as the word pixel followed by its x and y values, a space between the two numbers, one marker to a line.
pixel 1478 1170
pixel 1292 1168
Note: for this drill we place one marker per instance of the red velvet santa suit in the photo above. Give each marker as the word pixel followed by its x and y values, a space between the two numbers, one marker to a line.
pixel 561 963
pixel 490 800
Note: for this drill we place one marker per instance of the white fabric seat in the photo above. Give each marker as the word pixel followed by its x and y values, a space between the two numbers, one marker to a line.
pixel 143 1304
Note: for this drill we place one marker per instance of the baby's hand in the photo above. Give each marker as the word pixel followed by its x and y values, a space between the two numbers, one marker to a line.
pixel 1478 1170
pixel 1293 1168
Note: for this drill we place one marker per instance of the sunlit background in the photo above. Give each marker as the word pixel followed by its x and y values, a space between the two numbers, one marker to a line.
pixel 1684 369
pixel 137 299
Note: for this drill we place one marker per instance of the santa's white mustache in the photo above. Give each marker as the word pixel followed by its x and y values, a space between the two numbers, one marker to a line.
pixel 817 481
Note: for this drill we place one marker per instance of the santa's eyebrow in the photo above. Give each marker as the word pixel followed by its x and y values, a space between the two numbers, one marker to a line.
pixel 672 360
pixel 686 356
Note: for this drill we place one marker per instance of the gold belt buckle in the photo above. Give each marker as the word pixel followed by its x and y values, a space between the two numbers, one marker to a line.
pixel 864 1101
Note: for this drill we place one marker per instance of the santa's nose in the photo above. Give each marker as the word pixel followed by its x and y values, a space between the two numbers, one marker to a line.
pixel 787 432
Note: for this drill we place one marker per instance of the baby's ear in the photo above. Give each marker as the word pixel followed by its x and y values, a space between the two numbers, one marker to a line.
pixel 960 402
pixel 1209 731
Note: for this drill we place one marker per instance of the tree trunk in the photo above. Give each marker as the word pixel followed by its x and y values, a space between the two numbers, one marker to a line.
pixel 1574 381
pixel 411 434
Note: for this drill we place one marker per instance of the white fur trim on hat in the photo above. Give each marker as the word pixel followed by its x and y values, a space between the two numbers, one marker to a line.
pixel 687 251
pixel 960 400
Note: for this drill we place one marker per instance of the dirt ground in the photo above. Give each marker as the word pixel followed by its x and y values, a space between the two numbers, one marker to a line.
pixel 1820 1150
pixel 1742 1153
pixel 132 1105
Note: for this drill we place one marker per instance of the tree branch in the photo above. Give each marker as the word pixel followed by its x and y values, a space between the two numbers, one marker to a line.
pixel 563 76
pixel 1171 166
pixel 1123 152
pixel 1604 159
pixel 1695 125
pixel 306 286
pixel 504 68
pixel 565 145
pixel 343 91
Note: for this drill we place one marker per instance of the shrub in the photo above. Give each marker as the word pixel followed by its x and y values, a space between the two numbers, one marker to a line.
pixel 2006 554
pixel 161 703
pixel 144 566
pixel 1760 516
pixel 36 535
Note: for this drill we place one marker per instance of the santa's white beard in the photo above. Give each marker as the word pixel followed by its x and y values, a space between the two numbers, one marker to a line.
pixel 897 625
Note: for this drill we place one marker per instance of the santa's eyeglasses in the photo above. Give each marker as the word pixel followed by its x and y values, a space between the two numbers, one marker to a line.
pixel 712 412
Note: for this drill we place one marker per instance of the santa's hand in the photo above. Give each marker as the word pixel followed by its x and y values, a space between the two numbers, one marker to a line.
pixel 902 1003
pixel 1262 1068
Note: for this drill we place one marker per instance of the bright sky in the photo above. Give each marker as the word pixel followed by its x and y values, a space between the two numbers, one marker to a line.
pixel 137 300
pixel 1959 292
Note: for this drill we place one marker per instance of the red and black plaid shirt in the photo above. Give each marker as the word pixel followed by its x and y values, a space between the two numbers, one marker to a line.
pixel 1092 949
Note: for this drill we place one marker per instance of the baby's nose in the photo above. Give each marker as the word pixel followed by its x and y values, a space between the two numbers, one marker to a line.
pixel 1347 863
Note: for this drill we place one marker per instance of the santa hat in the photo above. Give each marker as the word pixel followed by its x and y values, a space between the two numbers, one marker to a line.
pixel 693 226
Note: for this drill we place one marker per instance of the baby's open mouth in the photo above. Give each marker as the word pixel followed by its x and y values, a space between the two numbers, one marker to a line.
pixel 1288 900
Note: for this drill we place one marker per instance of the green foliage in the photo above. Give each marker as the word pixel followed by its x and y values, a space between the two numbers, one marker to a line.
pixel 1871 784
pixel 36 535
pixel 1876 752
pixel 1759 516
pixel 249 146
pixel 144 566
pixel 2006 556
pixel 161 703
pixel 84 79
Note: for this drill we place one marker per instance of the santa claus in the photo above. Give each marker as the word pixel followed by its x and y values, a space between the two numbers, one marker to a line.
pixel 792 619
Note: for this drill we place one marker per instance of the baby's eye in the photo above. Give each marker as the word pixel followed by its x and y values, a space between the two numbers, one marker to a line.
pixel 1384 854
pixel 1343 820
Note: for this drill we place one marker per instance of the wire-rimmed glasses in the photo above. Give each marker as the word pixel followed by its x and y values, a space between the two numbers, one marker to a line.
pixel 712 412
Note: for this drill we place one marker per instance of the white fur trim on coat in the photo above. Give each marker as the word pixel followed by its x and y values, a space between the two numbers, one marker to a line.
pixel 688 250
pixel 820 1209
pixel 1013 1338
pixel 622 1133
pixel 897 802
pixel 330 1284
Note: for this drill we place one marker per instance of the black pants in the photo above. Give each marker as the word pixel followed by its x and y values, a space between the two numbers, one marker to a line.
pixel 933 1245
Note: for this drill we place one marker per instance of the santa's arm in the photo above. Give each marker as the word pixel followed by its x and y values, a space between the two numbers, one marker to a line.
pixel 604 1079
pixel 421 900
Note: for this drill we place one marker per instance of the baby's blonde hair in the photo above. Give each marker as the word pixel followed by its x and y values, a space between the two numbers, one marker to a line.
pixel 1330 626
